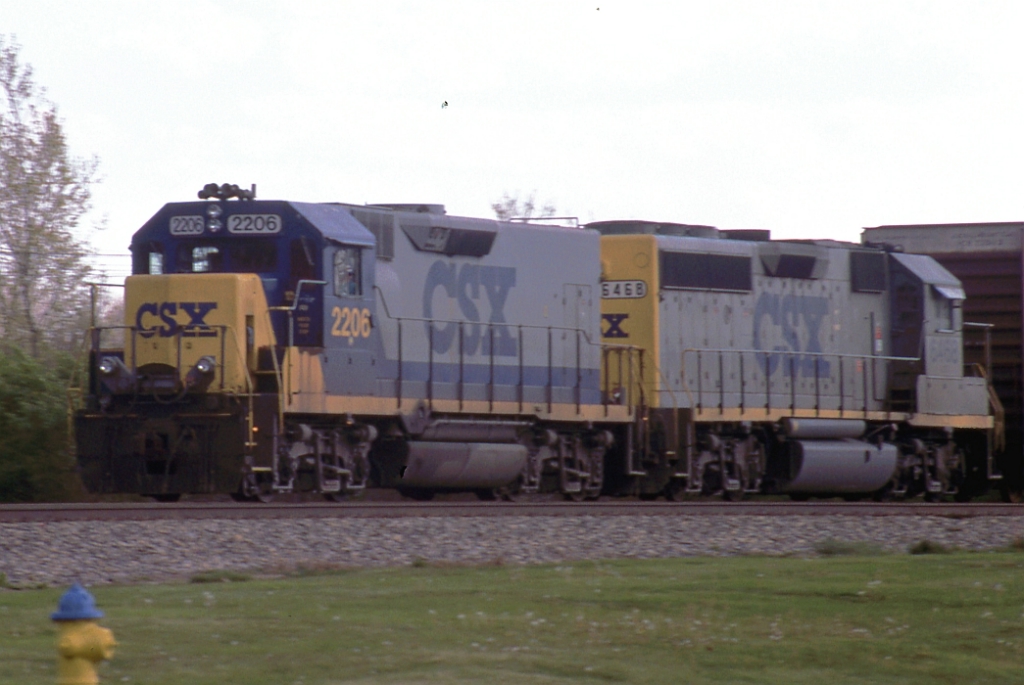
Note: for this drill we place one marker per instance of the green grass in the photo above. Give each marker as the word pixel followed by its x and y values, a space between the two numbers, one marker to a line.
pixel 949 618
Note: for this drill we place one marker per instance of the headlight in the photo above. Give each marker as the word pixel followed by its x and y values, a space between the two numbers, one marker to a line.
pixel 108 365
pixel 206 365
pixel 214 225
pixel 213 211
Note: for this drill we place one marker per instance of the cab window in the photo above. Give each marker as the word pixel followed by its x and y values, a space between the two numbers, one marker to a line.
pixel 348 280
pixel 156 263
pixel 200 259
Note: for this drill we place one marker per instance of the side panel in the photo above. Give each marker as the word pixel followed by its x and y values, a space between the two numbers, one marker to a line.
pixel 756 341
pixel 629 306
pixel 482 330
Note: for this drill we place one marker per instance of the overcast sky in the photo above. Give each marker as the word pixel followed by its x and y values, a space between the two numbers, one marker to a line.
pixel 812 119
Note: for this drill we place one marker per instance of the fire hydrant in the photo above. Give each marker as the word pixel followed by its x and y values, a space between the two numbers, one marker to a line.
pixel 81 643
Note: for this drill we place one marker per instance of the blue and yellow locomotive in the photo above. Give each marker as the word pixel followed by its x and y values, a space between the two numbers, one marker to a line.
pixel 276 347
pixel 283 347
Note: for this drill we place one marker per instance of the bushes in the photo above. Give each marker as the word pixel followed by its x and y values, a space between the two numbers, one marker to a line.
pixel 36 462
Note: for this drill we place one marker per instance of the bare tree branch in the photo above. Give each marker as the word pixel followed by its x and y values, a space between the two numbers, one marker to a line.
pixel 44 192
pixel 511 207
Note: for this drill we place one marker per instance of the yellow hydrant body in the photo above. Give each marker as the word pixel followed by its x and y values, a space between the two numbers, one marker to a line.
pixel 81 643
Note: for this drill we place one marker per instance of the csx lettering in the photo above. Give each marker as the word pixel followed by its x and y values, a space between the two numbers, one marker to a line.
pixel 464 284
pixel 351 322
pixel 150 315
pixel 791 315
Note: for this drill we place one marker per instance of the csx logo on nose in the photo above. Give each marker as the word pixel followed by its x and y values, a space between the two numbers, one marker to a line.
pixel 167 314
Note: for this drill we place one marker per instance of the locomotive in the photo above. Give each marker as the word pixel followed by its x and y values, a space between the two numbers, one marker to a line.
pixel 279 347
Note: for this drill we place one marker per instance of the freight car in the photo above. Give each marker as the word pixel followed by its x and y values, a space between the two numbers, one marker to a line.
pixel 272 347
pixel 987 258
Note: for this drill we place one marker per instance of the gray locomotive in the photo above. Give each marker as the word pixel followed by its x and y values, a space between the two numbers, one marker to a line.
pixel 800 367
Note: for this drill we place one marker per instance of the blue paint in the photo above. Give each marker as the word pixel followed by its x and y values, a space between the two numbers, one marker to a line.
pixel 792 314
pixel 614 322
pixel 167 312
pixel 469 285
pixel 77 604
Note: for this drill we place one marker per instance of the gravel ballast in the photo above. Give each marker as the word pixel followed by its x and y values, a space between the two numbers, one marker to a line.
pixel 131 551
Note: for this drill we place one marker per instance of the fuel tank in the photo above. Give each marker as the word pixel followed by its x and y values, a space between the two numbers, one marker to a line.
pixel 839 466
pixel 462 465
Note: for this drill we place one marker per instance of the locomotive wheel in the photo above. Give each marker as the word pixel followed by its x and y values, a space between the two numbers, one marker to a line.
pixel 675 491
pixel 1011 494
pixel 418 494
pixel 510 492
pixel 884 494
pixel 733 495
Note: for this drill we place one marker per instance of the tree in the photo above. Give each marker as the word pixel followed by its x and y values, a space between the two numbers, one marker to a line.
pixel 44 192
pixel 511 207
pixel 35 459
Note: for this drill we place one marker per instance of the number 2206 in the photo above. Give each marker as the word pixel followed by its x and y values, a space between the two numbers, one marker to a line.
pixel 351 322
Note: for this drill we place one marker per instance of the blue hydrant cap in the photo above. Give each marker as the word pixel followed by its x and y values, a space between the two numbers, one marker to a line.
pixel 76 605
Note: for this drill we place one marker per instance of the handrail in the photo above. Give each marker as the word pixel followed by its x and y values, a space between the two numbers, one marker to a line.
pixel 92 339
pixel 987 344
pixel 792 357
pixel 581 335
pixel 93 336
pixel 998 411
pixel 387 314
pixel 293 307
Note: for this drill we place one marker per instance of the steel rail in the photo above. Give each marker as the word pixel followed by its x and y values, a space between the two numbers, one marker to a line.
pixel 12 513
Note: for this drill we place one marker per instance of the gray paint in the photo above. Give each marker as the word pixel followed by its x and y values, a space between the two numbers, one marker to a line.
pixel 816 328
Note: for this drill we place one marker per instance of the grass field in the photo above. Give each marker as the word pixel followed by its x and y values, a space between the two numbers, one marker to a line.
pixel 936 618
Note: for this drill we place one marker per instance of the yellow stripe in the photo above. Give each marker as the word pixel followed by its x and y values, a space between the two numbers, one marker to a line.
pixel 920 420
pixel 961 421
pixel 761 414
pixel 307 403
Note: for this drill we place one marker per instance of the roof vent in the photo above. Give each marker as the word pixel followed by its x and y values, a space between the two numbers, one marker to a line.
pixel 414 208
pixel 793 260
pixel 637 227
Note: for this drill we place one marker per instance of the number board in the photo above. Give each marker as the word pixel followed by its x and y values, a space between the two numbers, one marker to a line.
pixel 254 224
pixel 622 290
pixel 186 225
pixel 351 323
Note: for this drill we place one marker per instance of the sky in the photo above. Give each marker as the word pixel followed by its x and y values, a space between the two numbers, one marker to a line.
pixel 811 119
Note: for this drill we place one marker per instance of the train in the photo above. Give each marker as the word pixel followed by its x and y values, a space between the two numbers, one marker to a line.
pixel 272 347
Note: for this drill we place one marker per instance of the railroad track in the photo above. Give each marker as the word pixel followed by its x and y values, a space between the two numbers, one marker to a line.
pixel 215 510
